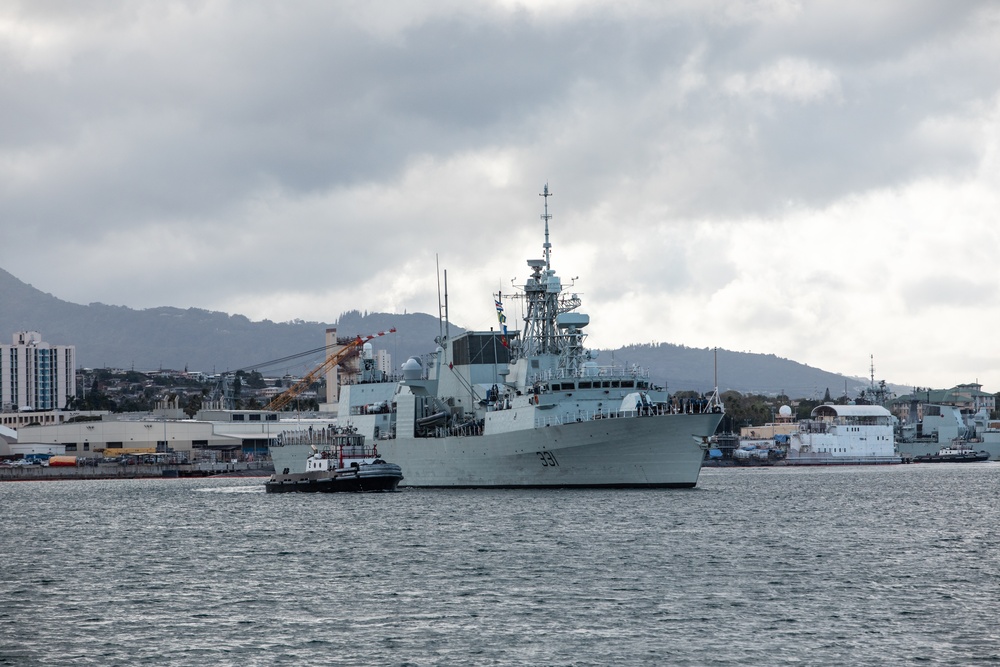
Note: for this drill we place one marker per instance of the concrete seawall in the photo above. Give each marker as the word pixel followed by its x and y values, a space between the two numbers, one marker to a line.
pixel 116 471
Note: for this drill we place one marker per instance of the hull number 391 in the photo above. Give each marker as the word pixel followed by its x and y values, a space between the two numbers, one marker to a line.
pixel 547 458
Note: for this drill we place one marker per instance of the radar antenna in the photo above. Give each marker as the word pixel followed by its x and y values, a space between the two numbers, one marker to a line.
pixel 546 217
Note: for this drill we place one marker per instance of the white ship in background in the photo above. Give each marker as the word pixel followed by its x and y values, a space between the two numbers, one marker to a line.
pixel 844 434
pixel 525 409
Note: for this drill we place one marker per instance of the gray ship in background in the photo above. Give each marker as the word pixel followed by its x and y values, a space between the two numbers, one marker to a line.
pixel 925 427
pixel 529 408
pixel 948 426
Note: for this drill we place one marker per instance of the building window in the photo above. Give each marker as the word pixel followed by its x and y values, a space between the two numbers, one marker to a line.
pixel 70 446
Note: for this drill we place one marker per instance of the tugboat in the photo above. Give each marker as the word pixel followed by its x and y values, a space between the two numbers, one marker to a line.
pixel 344 464
pixel 953 454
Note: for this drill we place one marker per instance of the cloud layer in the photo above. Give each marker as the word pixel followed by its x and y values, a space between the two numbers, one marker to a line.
pixel 814 180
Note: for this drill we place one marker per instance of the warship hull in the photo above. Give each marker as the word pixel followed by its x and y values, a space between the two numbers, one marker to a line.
pixel 647 451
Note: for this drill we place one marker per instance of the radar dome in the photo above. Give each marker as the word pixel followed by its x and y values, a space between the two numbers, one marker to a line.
pixel 785 411
pixel 412 369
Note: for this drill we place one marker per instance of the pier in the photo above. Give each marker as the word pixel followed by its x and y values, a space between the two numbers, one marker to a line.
pixel 135 471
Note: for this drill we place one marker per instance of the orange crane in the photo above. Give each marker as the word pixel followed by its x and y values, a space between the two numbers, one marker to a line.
pixel 287 396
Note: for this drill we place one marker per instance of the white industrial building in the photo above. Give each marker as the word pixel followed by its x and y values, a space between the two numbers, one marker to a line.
pixel 35 375
pixel 234 433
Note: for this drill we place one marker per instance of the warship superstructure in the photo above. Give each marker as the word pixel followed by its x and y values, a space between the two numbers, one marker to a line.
pixel 528 408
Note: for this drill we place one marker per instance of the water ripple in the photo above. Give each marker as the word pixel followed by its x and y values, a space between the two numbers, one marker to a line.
pixel 864 566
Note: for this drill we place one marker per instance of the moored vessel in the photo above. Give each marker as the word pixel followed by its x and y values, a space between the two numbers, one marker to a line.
pixel 528 408
pixel 844 434
pixel 953 454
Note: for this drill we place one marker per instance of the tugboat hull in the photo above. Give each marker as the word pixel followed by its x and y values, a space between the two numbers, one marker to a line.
pixel 361 479
pixel 960 457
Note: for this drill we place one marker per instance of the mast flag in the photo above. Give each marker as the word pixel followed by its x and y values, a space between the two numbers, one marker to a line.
pixel 502 319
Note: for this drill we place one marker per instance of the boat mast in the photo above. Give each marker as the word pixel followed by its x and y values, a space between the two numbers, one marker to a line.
pixel 546 217
pixel 541 292
pixel 447 329
pixel 437 273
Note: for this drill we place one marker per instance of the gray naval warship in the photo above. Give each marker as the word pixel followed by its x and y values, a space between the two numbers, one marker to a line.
pixel 528 408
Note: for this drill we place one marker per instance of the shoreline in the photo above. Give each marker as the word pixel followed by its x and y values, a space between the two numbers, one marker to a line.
pixel 138 471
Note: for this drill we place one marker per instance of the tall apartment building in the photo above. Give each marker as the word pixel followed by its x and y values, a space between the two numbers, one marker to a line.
pixel 332 378
pixel 383 362
pixel 36 375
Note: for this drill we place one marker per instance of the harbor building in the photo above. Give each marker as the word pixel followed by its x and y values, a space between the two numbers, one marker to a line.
pixel 332 383
pixel 383 362
pixel 213 433
pixel 117 437
pixel 35 375
pixel 968 398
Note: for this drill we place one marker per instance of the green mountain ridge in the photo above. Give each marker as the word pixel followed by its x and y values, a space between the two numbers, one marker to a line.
pixel 208 341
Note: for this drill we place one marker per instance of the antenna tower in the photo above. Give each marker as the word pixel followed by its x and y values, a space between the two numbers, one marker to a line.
pixel 546 217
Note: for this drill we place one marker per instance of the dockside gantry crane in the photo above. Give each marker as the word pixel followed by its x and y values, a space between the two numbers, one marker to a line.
pixel 287 396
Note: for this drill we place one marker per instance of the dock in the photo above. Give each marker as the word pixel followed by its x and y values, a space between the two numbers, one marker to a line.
pixel 135 471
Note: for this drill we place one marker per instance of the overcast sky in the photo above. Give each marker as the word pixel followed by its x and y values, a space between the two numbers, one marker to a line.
pixel 815 180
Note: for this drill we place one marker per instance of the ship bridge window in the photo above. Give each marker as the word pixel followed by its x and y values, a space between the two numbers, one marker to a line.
pixel 642 384
pixel 628 384
pixel 586 385
pixel 616 384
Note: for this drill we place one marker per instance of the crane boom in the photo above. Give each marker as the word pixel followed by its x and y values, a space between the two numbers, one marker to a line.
pixel 287 396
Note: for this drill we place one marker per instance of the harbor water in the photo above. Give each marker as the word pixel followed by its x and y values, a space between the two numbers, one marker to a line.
pixel 885 565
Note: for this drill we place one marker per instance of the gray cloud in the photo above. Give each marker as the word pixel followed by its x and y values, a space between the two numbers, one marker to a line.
pixel 212 154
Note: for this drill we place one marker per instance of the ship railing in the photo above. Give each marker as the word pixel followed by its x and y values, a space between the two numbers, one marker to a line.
pixel 591 372
pixel 583 415
pixel 355 378
pixel 571 418
pixel 321 437
pixel 467 429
